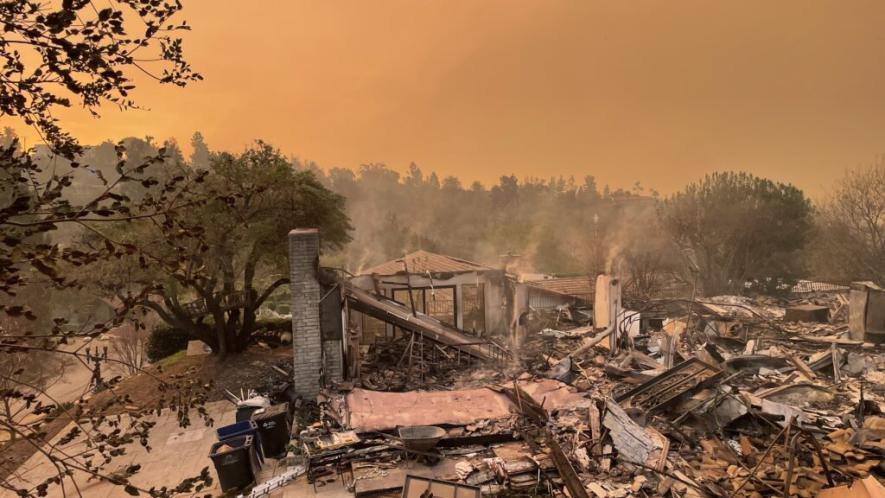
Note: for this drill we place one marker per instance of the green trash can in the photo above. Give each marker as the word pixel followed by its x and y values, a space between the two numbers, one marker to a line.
pixel 235 462
pixel 274 426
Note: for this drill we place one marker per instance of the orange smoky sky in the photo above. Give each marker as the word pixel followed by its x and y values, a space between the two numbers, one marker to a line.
pixel 659 92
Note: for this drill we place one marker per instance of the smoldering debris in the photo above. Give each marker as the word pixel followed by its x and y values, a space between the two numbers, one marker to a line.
pixel 721 397
pixel 756 403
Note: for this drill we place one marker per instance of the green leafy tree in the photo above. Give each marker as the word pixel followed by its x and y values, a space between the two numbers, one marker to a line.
pixel 740 227
pixel 57 55
pixel 200 151
pixel 215 264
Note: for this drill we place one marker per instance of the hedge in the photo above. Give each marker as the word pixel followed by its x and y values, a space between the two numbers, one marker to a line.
pixel 166 341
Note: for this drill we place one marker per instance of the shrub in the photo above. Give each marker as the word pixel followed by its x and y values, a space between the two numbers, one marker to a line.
pixel 165 341
pixel 61 409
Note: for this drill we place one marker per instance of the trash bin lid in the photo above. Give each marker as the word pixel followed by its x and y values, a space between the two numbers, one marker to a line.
pixel 271 411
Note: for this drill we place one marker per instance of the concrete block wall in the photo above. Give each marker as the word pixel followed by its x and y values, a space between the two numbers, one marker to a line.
pixel 304 248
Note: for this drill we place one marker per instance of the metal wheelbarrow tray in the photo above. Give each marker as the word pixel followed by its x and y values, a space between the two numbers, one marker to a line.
pixel 421 437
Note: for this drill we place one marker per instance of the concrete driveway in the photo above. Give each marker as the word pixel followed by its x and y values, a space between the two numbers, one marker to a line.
pixel 176 454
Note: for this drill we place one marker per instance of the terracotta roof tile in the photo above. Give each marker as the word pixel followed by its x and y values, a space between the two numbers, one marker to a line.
pixel 581 286
pixel 422 262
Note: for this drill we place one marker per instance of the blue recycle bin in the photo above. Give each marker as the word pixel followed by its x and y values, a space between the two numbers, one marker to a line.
pixel 244 428
pixel 235 462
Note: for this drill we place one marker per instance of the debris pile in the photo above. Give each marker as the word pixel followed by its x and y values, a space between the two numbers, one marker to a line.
pixel 720 397
pixel 736 397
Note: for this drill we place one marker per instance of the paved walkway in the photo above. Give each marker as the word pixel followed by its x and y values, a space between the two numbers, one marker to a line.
pixel 175 454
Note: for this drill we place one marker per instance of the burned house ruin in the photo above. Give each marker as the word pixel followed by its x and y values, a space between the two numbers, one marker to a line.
pixel 459 293
pixel 459 306
pixel 334 318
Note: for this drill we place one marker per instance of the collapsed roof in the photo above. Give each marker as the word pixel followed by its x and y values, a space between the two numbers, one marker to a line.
pixel 392 312
pixel 581 286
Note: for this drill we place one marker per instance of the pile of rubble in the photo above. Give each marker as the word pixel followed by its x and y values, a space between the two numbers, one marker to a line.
pixel 727 397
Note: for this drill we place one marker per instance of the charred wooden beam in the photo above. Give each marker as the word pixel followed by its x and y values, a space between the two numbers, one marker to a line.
pixel 564 466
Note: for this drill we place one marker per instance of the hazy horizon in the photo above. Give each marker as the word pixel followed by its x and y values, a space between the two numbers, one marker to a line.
pixel 654 92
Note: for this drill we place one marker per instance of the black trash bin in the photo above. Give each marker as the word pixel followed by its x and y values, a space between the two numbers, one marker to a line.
pixel 245 412
pixel 235 462
pixel 273 427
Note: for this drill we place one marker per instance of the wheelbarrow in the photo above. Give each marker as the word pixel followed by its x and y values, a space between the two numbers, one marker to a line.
pixel 420 437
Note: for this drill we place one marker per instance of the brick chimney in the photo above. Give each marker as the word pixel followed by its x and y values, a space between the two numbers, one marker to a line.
pixel 304 249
